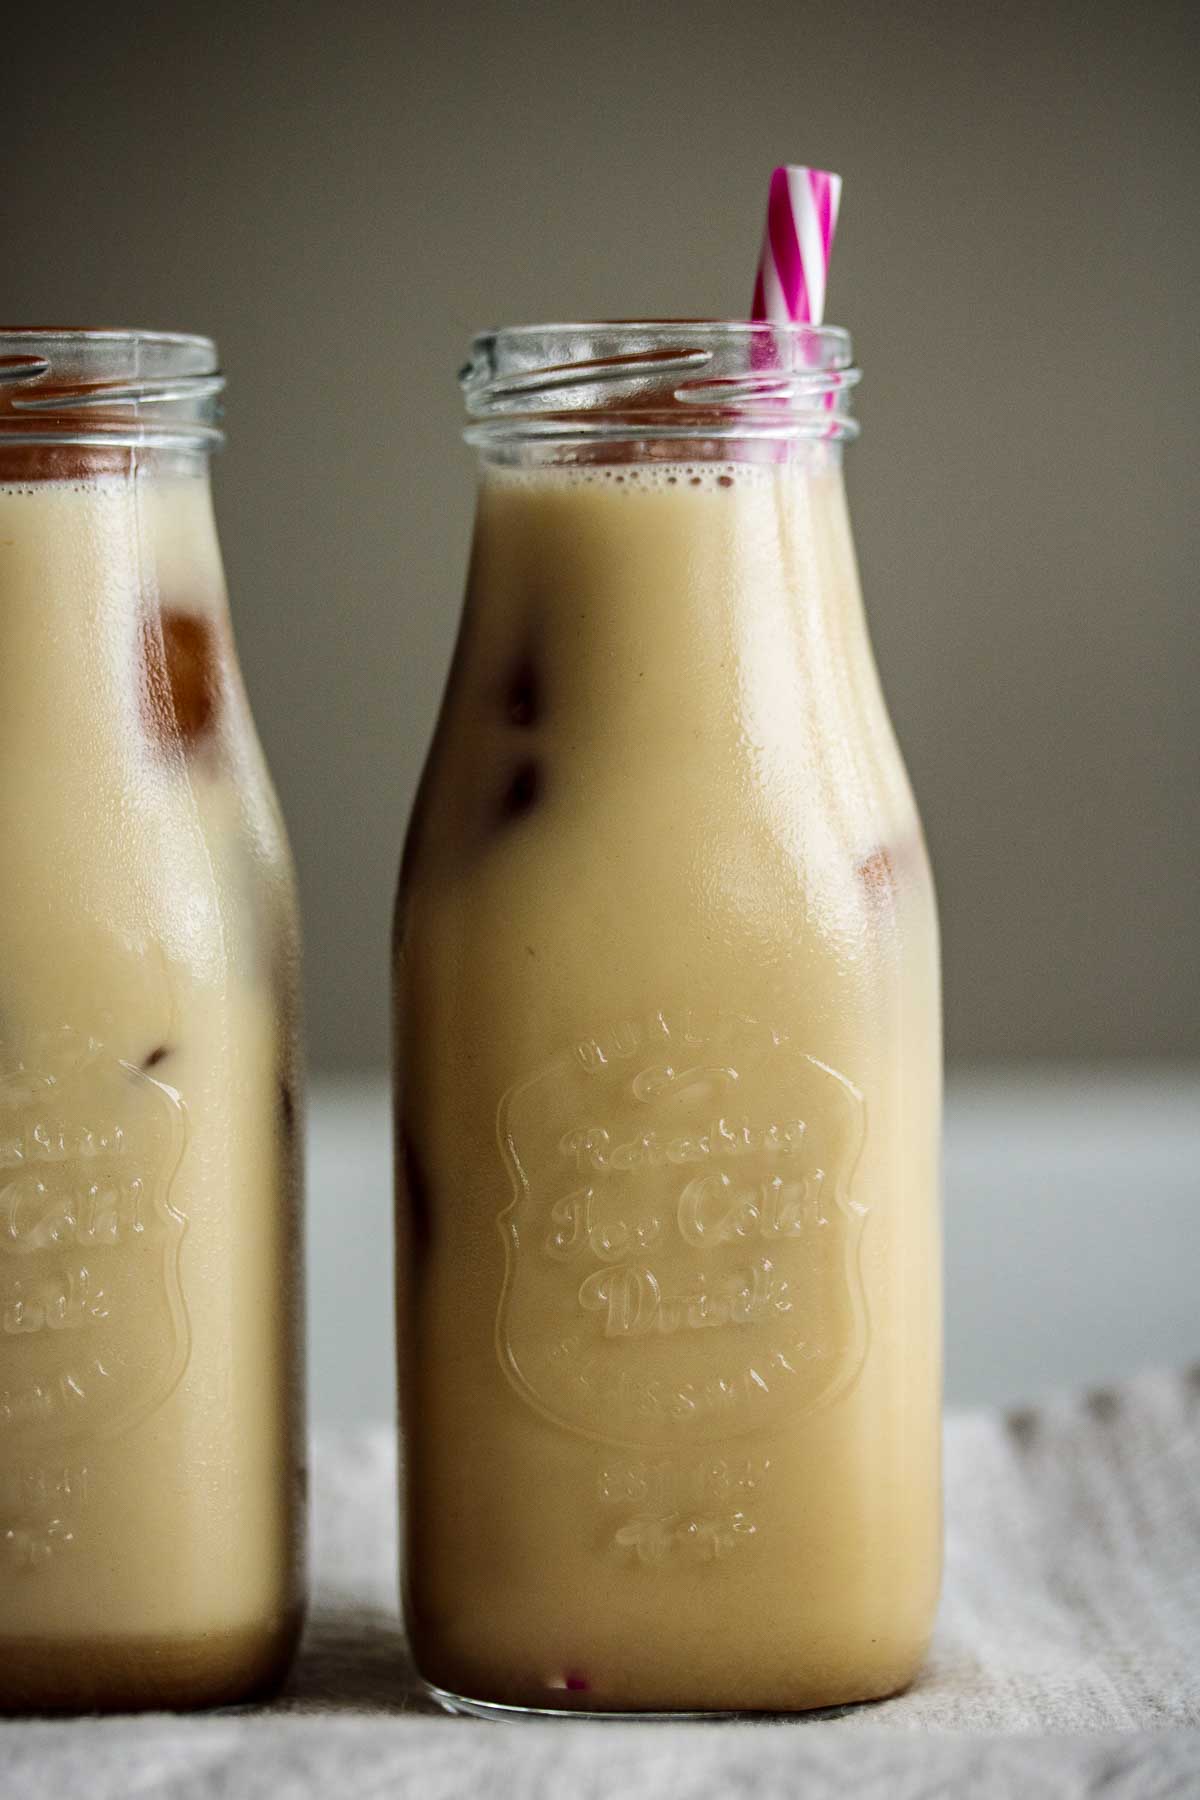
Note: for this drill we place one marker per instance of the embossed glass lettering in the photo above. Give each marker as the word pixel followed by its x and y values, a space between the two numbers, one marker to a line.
pixel 714 1209
pixel 695 1510
pixel 634 1301
pixel 710 1254
pixel 93 1327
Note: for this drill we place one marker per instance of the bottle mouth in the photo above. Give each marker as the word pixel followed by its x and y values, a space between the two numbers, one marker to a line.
pixel 660 378
pixel 109 387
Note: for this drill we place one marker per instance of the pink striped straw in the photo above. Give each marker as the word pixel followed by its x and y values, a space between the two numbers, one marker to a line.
pixel 802 209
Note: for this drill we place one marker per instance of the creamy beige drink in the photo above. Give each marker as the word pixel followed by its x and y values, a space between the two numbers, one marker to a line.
pixel 149 1437
pixel 668 1117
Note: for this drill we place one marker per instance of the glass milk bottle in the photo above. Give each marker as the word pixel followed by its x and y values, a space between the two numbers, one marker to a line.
pixel 667 1025
pixel 150 1433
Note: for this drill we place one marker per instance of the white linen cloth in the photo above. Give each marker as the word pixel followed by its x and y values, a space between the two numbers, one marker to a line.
pixel 1066 1661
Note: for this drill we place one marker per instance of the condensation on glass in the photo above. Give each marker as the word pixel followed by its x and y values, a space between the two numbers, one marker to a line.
pixel 668 1059
pixel 150 1434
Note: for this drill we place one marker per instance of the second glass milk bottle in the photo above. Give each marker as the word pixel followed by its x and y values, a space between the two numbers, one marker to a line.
pixel 667 1026
pixel 150 1432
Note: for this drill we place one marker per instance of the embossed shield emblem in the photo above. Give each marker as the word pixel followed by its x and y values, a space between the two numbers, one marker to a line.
pixel 93 1329
pixel 682 1248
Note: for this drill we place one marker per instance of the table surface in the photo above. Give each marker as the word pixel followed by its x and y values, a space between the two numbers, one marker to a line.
pixel 1066 1660
pixel 1068 1646
pixel 1072 1206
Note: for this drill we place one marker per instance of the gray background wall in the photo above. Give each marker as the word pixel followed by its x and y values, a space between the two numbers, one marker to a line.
pixel 341 194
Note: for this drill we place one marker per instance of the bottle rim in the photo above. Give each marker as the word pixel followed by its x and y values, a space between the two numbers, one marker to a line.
pixel 579 382
pixel 103 386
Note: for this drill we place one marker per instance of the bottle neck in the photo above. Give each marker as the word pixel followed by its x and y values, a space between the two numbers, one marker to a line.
pixel 657 653
pixel 665 598
pixel 113 619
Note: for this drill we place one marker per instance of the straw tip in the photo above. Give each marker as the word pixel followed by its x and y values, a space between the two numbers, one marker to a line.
pixel 782 171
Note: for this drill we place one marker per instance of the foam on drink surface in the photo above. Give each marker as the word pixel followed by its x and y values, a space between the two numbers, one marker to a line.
pixel 651 477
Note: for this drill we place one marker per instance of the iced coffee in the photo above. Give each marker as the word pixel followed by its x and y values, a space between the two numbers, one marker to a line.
pixel 150 1447
pixel 667 1026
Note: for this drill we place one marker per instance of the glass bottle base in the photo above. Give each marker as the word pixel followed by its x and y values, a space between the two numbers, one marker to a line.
pixel 147 1674
pixel 462 1706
